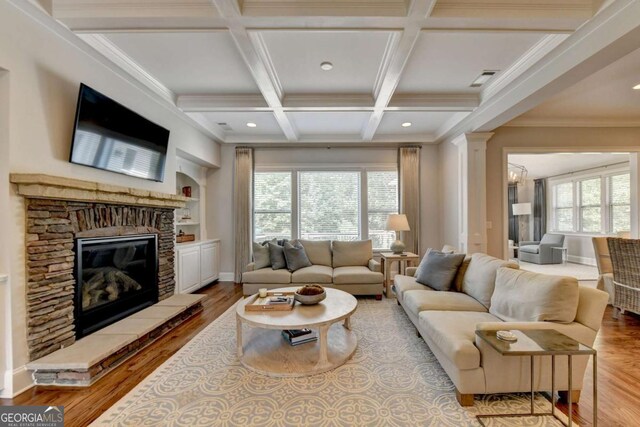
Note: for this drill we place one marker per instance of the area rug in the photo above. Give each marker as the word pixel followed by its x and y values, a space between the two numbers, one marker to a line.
pixel 393 379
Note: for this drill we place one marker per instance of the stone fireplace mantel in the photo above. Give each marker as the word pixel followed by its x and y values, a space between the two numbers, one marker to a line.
pixel 39 186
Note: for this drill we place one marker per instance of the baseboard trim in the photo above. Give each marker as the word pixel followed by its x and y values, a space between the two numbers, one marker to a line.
pixel 226 277
pixel 582 260
pixel 15 382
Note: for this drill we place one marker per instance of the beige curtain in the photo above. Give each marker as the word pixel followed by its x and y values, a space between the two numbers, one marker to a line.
pixel 243 209
pixel 409 174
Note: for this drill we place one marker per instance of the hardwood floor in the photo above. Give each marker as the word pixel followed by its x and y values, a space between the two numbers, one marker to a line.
pixel 83 405
pixel 618 346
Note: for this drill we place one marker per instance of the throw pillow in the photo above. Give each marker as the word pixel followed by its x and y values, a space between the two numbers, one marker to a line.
pixel 350 254
pixel 261 257
pixel 532 297
pixel 480 279
pixel 296 256
pixel 437 270
pixel 276 255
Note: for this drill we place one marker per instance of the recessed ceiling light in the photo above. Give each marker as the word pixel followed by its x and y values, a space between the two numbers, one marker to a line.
pixel 406 124
pixel 326 66
pixel 251 125
pixel 637 87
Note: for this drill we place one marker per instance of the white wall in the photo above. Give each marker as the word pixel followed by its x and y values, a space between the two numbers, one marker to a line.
pixel 5 313
pixel 449 176
pixel 220 183
pixel 45 67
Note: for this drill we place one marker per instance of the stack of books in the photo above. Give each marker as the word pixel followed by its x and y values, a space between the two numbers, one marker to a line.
pixel 299 336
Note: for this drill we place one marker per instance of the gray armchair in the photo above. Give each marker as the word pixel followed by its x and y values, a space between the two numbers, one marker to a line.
pixel 542 252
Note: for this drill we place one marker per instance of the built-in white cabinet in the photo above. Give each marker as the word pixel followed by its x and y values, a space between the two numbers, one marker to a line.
pixel 197 264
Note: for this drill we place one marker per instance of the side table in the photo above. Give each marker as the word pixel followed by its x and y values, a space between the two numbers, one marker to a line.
pixel 543 342
pixel 387 259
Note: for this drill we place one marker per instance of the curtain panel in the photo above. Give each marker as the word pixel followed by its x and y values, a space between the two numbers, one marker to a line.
pixel 539 208
pixel 243 209
pixel 512 197
pixel 409 186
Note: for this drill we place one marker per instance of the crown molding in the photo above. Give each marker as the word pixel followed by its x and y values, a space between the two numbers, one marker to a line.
pixel 211 127
pixel 434 102
pixel 204 103
pixel 124 61
pixel 567 122
pixel 330 139
pixel 328 102
pixel 545 45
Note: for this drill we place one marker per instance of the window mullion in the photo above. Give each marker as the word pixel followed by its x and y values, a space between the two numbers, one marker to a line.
pixel 295 205
pixel 364 206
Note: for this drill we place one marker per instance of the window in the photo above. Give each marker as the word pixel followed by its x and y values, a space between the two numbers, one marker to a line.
pixel 329 205
pixel 382 200
pixel 325 205
pixel 563 206
pixel 596 204
pixel 620 203
pixel 590 205
pixel 272 206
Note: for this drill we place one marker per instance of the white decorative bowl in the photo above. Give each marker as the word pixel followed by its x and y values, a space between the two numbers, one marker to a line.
pixel 310 299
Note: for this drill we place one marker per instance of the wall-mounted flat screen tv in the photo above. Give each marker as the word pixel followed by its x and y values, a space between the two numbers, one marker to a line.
pixel 109 136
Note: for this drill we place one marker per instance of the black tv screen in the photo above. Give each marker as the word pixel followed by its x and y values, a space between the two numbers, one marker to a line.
pixel 109 136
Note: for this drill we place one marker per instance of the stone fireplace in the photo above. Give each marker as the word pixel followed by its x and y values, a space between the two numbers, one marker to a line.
pixel 62 213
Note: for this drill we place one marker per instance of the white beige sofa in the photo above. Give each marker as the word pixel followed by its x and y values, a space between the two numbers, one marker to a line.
pixel 448 321
pixel 348 266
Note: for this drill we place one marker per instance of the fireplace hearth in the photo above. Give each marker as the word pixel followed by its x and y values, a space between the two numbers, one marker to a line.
pixel 114 278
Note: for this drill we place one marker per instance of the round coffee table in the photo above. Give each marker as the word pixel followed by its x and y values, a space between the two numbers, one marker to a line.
pixel 265 351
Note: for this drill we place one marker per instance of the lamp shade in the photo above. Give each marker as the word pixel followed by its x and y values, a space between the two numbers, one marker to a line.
pixel 521 208
pixel 397 222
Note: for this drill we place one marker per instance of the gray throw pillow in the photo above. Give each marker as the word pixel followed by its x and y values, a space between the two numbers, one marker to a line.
pixel 276 254
pixel 437 270
pixel 296 256
pixel 261 257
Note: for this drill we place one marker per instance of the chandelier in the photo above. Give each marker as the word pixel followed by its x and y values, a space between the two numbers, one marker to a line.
pixel 517 174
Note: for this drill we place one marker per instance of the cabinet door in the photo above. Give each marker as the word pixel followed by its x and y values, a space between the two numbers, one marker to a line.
pixel 209 262
pixel 188 269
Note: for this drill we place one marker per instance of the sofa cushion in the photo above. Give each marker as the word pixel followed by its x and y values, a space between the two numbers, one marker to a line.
pixel 530 249
pixel 261 256
pixel 420 300
pixel 454 334
pixel 296 256
pixel 480 278
pixel 532 297
pixel 267 276
pixel 313 274
pixel 355 275
pixel 438 269
pixel 318 251
pixel 276 254
pixel 403 284
pixel 346 254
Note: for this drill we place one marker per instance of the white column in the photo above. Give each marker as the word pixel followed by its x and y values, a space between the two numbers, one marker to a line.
pixel 472 193
pixel 634 166
pixel 5 222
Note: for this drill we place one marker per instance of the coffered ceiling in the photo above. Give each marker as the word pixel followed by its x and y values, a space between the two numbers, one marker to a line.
pixel 401 70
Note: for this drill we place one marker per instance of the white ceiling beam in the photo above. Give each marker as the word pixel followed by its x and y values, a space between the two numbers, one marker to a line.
pixel 434 102
pixel 262 72
pixel 609 36
pixel 397 61
pixel 330 139
pixel 204 103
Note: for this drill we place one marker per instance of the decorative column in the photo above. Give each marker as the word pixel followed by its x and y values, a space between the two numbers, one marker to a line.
pixel 472 192
pixel 634 166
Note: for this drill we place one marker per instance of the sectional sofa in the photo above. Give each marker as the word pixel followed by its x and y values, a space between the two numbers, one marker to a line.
pixel 492 294
pixel 348 266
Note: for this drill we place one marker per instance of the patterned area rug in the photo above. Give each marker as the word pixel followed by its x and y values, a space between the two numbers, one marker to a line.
pixel 393 379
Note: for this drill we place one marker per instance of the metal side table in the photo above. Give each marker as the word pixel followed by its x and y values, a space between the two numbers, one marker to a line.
pixel 544 342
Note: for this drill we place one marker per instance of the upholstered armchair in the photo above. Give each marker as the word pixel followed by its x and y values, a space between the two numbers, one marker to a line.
pixel 542 252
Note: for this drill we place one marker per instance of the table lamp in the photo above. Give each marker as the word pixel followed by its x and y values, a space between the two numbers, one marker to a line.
pixel 397 223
